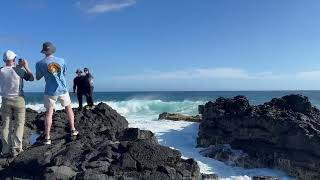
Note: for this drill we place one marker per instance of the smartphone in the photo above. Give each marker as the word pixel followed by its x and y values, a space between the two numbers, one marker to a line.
pixel 20 62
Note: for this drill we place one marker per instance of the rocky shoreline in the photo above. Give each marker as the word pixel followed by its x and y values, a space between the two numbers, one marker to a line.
pixel 105 149
pixel 179 117
pixel 283 134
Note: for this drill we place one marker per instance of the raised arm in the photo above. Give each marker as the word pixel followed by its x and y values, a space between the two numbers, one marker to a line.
pixel 28 76
pixel 39 74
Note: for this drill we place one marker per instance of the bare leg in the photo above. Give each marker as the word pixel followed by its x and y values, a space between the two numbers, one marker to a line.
pixel 70 115
pixel 48 122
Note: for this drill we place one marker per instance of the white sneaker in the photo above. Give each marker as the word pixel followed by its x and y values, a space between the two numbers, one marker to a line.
pixel 74 132
pixel 46 141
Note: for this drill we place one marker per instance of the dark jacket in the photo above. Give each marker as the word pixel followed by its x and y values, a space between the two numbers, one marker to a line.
pixel 78 84
pixel 88 81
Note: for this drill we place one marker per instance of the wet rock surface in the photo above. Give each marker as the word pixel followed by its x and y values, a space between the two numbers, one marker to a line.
pixel 179 117
pixel 283 134
pixel 105 149
pixel 264 178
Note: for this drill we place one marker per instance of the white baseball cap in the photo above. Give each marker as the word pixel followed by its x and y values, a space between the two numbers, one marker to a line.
pixel 9 55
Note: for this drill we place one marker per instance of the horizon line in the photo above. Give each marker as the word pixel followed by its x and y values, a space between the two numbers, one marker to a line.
pixel 190 91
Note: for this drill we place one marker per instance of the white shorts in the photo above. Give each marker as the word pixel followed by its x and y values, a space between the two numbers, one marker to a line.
pixel 50 101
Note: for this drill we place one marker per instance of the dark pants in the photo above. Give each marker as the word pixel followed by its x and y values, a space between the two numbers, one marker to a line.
pixel 88 92
pixel 89 96
pixel 79 95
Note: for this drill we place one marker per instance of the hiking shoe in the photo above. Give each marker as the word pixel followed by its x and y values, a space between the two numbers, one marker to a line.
pixel 92 107
pixel 46 141
pixel 43 140
pixel 16 152
pixel 74 132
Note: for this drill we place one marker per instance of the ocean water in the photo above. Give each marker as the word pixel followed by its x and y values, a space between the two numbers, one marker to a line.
pixel 141 109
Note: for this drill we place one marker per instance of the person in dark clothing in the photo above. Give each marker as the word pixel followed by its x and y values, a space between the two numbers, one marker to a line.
pixel 88 87
pixel 78 86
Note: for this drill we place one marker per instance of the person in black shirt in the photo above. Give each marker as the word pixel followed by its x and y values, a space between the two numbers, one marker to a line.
pixel 78 85
pixel 88 87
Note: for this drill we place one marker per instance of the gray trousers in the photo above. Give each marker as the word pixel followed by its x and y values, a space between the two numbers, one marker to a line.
pixel 12 128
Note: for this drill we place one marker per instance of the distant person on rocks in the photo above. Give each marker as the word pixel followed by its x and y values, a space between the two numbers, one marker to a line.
pixel 53 69
pixel 13 107
pixel 78 87
pixel 88 87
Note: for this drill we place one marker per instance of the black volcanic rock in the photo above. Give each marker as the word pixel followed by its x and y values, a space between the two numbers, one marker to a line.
pixel 210 176
pixel 264 178
pixel 105 149
pixel 283 133
pixel 179 117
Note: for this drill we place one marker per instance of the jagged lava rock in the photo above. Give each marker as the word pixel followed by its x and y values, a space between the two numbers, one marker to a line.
pixel 283 133
pixel 105 149
pixel 179 117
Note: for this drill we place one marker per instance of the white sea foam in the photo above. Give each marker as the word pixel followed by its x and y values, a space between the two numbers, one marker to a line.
pixel 144 113
pixel 40 108
pixel 181 135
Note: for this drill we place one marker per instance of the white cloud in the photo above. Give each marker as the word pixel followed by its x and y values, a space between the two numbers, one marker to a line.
pixel 309 75
pixel 104 6
pixel 12 40
pixel 202 73
pixel 229 73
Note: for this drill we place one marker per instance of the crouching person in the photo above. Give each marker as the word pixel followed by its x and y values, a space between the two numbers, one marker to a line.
pixel 13 103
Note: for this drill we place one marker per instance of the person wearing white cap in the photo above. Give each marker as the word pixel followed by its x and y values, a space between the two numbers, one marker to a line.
pixel 13 103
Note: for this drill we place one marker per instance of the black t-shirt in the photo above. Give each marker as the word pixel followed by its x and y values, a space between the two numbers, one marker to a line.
pixel 78 83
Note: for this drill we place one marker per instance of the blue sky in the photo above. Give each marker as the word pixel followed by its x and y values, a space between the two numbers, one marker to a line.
pixel 139 45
